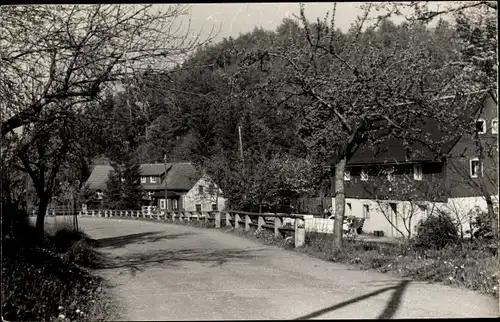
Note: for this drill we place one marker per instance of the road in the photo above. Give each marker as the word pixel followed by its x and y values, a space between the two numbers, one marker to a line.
pixel 164 271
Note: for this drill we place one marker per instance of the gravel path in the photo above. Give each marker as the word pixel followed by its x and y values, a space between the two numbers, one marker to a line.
pixel 171 272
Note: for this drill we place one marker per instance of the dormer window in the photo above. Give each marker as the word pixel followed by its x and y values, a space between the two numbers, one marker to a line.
pixel 494 126
pixel 200 189
pixel 347 175
pixel 99 195
pixel 364 175
pixel 417 172
pixel 152 179
pixel 481 126
pixel 143 179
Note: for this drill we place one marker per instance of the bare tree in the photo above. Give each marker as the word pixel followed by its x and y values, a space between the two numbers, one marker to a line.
pixel 364 87
pixel 413 200
pixel 55 59
pixel 69 53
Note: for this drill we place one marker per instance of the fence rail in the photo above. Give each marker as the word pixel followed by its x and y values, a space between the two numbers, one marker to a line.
pixel 279 223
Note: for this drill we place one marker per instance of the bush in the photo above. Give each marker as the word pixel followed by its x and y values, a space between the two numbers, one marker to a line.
pixel 482 226
pixel 436 231
pixel 41 283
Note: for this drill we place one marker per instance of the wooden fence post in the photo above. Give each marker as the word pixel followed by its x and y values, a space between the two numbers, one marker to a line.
pixel 173 216
pixel 217 219
pixel 180 217
pixel 247 222
pixel 300 234
pixel 228 220
pixel 260 222
pixel 236 221
pixel 277 225
pixel 205 217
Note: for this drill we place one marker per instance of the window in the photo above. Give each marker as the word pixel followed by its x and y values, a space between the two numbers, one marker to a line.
pixel 476 168
pixel 364 175
pixel 481 126
pixel 347 175
pixel 214 207
pixel 174 204
pixel 198 207
pixel 366 211
pixel 143 179
pixel 162 203
pixel 152 179
pixel 417 172
pixel 99 195
pixel 200 189
pixel 211 189
pixel 348 209
pixel 390 173
pixel 494 126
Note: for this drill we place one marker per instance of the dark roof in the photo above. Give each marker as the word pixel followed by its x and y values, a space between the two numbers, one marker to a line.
pixel 394 150
pixel 154 169
pixel 180 176
pixel 98 177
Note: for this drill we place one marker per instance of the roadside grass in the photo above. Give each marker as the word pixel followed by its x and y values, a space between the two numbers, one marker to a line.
pixel 51 282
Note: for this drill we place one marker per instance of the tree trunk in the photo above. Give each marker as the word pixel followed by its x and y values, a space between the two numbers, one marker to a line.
pixel 75 216
pixel 339 203
pixel 40 218
pixel 493 217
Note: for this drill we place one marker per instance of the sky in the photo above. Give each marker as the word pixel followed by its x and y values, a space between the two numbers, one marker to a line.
pixel 236 18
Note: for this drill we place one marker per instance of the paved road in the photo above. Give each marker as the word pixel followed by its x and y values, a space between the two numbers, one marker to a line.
pixel 172 272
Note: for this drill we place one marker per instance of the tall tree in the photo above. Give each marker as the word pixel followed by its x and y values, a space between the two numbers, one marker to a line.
pixel 56 58
pixel 359 89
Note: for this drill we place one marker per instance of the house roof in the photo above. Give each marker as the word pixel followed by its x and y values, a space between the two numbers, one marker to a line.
pixel 394 150
pixel 98 177
pixel 180 176
pixel 154 169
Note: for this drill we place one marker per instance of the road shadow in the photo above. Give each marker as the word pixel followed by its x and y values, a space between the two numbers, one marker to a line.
pixel 140 238
pixel 138 262
pixel 389 311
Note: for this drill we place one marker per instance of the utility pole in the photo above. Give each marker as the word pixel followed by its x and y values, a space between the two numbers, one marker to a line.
pixel 166 200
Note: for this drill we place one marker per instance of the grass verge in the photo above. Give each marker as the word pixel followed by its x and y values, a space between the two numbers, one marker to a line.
pixel 52 282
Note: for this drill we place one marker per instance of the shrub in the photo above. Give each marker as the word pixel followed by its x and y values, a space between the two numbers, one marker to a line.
pixel 436 231
pixel 64 237
pixel 41 282
pixel 482 225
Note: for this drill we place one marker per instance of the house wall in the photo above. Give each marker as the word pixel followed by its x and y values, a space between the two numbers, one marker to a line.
pixel 464 209
pixel 459 181
pixel 402 187
pixel 193 197
pixel 381 215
